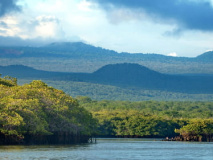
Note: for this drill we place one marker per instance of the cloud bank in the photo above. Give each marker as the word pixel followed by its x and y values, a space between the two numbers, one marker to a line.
pixel 186 14
pixel 137 26
pixel 7 6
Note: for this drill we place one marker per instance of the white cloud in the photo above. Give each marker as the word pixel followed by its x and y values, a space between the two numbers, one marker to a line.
pixel 41 26
pixel 48 26
pixel 209 50
pixel 122 30
pixel 65 19
pixel 173 54
pixel 11 26
pixel 85 6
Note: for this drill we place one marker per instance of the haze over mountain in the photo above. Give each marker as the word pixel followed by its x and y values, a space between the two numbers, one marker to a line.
pixel 81 57
pixel 70 49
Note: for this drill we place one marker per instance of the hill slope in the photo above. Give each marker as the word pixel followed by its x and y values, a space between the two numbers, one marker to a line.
pixel 124 75
pixel 134 75
pixel 205 57
pixel 81 57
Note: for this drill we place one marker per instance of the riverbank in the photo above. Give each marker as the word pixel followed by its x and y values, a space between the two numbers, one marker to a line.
pixel 54 139
pixel 190 139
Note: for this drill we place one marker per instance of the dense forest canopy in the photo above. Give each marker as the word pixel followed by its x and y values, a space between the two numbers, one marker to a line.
pixel 32 112
pixel 190 120
pixel 37 110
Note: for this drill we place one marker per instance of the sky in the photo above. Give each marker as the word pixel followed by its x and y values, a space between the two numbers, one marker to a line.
pixel 170 27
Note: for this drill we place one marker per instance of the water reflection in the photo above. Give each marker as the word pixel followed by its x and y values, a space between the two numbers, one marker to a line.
pixel 148 149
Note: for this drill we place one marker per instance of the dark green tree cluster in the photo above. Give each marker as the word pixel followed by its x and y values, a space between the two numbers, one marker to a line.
pixel 134 124
pixel 8 81
pixel 36 110
pixel 197 130
pixel 171 109
pixel 189 120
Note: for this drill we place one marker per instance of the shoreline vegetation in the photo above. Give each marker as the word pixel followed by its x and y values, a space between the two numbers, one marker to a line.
pixel 182 120
pixel 35 113
pixel 38 114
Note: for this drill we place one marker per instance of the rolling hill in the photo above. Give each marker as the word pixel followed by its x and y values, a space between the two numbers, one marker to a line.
pixel 205 57
pixel 125 75
pixel 85 58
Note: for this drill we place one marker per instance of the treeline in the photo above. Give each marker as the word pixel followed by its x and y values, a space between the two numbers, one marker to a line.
pixel 35 113
pixel 191 121
pixel 38 114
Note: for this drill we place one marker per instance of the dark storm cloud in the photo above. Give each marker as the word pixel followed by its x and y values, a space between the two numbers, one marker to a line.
pixel 7 6
pixel 187 14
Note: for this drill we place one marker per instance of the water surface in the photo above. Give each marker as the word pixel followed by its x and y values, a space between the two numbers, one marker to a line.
pixel 108 149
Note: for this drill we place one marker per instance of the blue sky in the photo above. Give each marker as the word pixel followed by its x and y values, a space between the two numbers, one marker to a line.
pixel 168 27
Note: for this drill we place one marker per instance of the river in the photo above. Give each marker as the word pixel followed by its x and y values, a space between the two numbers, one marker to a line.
pixel 109 149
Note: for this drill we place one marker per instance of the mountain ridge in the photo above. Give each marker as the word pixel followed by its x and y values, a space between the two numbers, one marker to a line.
pixel 123 75
pixel 74 46
pixel 81 57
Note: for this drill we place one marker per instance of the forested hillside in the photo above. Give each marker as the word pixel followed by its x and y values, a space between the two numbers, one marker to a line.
pixel 125 75
pixel 35 113
pixel 121 82
pixel 38 114
pixel 81 57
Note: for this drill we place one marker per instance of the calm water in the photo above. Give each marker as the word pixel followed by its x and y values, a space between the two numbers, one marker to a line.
pixel 108 149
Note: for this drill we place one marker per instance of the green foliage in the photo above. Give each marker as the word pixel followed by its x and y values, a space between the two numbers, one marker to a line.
pixel 150 118
pixel 170 109
pixel 8 81
pixel 135 124
pixel 197 128
pixel 37 109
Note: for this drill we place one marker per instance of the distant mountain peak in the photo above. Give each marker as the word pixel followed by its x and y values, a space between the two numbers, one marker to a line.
pixel 209 53
pixel 79 48
pixel 18 68
pixel 64 44
pixel 125 70
pixel 207 56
